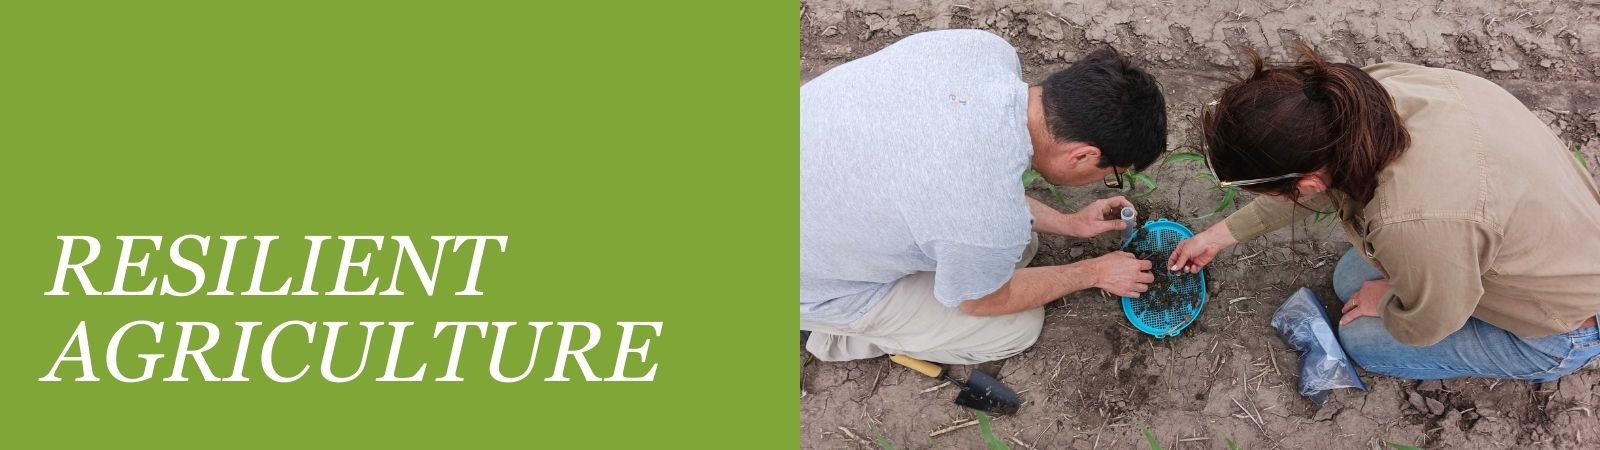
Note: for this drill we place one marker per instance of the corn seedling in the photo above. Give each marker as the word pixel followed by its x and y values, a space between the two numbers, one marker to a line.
pixel 1581 160
pixel 1231 444
pixel 1321 215
pixel 1132 180
pixel 1182 157
pixel 993 442
pixel 1229 194
pixel 1151 438
pixel 1225 438
pixel 1394 446
pixel 884 443
pixel 1031 176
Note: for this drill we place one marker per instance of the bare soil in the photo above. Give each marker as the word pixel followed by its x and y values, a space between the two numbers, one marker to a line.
pixel 1092 381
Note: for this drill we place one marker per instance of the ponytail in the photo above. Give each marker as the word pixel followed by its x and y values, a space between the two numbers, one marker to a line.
pixel 1367 131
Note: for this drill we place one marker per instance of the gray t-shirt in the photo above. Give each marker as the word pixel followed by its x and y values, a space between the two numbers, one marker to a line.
pixel 911 160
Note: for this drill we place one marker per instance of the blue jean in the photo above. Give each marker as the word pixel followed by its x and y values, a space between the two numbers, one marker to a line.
pixel 1478 349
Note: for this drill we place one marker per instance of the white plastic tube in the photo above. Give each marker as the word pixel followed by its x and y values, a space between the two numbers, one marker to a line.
pixel 1128 218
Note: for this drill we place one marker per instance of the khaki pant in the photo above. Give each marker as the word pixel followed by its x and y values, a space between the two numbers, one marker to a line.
pixel 908 320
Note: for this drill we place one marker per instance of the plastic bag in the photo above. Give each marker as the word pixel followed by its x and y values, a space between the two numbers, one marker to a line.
pixel 1303 324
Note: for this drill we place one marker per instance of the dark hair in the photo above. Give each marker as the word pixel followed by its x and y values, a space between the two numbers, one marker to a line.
pixel 1104 101
pixel 1303 117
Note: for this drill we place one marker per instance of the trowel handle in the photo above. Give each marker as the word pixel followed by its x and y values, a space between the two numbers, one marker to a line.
pixel 927 368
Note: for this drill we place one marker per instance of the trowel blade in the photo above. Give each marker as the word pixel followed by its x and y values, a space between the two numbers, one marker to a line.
pixel 984 393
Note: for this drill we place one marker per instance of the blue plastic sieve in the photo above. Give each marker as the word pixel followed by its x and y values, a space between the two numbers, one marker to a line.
pixel 1162 236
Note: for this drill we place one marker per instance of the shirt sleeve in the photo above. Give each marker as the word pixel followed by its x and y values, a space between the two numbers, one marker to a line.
pixel 1435 272
pixel 968 272
pixel 1265 215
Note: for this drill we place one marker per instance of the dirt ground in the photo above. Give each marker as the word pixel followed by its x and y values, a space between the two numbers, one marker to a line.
pixel 1094 382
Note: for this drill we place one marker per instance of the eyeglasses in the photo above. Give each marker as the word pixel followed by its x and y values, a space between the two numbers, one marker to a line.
pixel 1114 180
pixel 1244 182
pixel 1205 112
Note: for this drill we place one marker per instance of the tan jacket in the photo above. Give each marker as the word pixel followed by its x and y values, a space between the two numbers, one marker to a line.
pixel 1486 215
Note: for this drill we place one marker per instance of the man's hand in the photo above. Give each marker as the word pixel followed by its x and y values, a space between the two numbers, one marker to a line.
pixel 1195 252
pixel 1365 302
pixel 1101 216
pixel 1120 274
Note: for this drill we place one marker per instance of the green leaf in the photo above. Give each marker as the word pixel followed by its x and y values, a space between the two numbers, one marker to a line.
pixel 1057 192
pixel 1322 215
pixel 988 433
pixel 884 443
pixel 1183 156
pixel 1394 446
pixel 1228 196
pixel 1135 178
pixel 1151 438
pixel 1029 177
pixel 1141 177
pixel 1581 160
pixel 1231 445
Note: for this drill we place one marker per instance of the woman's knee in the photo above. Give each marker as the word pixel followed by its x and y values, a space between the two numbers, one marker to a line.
pixel 1364 341
pixel 1352 272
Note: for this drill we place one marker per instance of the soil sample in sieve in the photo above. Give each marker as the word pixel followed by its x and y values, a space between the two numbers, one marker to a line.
pixel 1162 296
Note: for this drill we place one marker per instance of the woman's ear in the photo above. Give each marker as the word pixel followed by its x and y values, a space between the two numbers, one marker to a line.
pixel 1311 184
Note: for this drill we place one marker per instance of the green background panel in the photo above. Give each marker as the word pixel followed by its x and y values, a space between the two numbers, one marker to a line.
pixel 640 157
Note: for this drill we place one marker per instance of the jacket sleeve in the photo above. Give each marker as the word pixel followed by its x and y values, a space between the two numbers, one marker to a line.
pixel 1265 215
pixel 1436 270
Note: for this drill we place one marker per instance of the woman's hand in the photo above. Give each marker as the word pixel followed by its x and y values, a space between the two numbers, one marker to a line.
pixel 1194 253
pixel 1365 302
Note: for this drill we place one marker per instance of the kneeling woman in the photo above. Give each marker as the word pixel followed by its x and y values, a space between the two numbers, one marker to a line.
pixel 1476 233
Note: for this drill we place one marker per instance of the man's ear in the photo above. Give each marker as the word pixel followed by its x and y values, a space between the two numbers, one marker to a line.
pixel 1084 154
